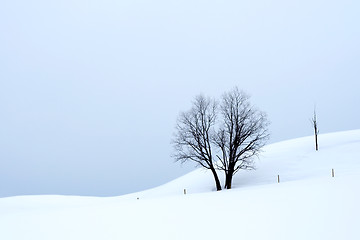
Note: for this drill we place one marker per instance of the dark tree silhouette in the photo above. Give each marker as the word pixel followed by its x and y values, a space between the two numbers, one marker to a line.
pixel 241 135
pixel 192 140
pixel 237 136
pixel 316 130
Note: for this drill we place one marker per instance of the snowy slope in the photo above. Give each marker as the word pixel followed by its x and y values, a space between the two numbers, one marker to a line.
pixel 307 204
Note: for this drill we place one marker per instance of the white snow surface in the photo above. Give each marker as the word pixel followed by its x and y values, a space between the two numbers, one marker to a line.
pixel 307 203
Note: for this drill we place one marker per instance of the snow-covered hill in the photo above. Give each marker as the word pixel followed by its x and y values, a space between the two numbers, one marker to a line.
pixel 307 203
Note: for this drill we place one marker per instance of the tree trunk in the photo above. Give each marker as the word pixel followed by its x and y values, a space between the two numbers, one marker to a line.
pixel 316 139
pixel 217 181
pixel 228 179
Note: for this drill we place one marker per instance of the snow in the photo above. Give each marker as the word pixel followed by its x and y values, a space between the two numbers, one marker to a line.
pixel 307 203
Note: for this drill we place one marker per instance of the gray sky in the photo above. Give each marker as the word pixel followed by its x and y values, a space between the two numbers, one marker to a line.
pixel 90 90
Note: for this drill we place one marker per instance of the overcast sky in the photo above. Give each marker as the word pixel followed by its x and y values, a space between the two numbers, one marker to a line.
pixel 90 90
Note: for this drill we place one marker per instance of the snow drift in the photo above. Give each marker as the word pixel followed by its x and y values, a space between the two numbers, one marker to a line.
pixel 308 203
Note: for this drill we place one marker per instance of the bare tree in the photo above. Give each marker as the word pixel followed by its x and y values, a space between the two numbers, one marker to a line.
pixel 192 140
pixel 237 137
pixel 241 135
pixel 316 130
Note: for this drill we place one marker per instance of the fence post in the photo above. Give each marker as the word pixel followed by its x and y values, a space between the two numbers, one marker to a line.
pixel 332 173
pixel 278 178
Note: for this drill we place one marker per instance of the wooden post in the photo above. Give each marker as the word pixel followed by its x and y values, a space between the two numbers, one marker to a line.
pixel 184 191
pixel 278 178
pixel 332 173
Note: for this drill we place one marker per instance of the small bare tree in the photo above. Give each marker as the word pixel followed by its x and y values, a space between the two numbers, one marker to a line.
pixel 241 135
pixel 192 140
pixel 316 130
pixel 237 137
